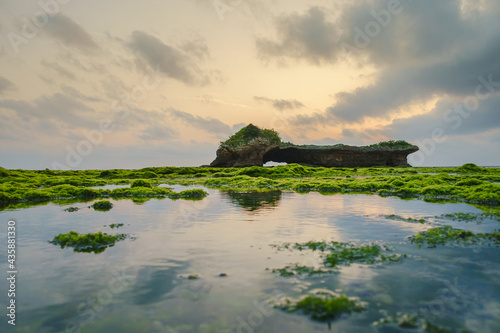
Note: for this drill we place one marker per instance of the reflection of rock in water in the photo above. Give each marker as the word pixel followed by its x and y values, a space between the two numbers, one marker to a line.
pixel 254 200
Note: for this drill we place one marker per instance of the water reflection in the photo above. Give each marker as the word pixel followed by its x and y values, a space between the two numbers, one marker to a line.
pixel 227 233
pixel 256 200
pixel 155 282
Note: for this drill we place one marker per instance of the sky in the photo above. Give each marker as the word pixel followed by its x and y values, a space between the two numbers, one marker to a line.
pixel 131 84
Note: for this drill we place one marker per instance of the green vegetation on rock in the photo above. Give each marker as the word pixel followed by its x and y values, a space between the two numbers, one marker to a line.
pixel 385 145
pixel 89 243
pixel 250 133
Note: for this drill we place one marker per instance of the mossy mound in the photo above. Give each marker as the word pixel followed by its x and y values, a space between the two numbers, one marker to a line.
pixel 89 243
pixel 141 183
pixel 250 133
pixel 103 205
pixel 469 167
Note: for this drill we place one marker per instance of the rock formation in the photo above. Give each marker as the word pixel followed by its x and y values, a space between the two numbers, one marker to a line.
pixel 249 147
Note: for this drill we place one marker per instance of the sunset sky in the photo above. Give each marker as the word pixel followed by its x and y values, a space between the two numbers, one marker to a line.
pixel 130 84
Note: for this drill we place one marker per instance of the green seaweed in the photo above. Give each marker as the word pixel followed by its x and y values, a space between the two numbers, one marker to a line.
pixel 102 205
pixel 474 185
pixel 411 321
pixel 141 183
pixel 297 269
pixel 335 254
pixel 88 243
pixel 447 235
pixel 322 305
pixel 338 253
pixel 400 218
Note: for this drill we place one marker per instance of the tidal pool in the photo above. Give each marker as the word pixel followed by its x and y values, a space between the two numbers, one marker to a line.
pixel 206 266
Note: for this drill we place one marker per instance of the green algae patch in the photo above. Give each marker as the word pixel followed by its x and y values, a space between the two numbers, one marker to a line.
pixel 469 167
pixel 405 219
pixel 449 236
pixel 297 269
pixel 468 183
pixel 322 305
pixel 469 217
pixel 141 183
pixel 88 243
pixel 338 253
pixel 410 321
pixel 195 194
pixel 116 225
pixel 335 254
pixel 72 209
pixel 102 205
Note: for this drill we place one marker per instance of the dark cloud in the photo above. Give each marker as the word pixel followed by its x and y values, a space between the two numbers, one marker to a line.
pixel 177 63
pixel 449 117
pixel 423 49
pixel 413 32
pixel 70 33
pixel 281 104
pixel 309 36
pixel 6 85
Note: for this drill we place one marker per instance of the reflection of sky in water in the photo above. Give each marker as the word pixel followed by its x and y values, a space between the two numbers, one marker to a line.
pixel 142 280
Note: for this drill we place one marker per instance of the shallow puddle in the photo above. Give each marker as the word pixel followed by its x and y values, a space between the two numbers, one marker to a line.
pixel 206 266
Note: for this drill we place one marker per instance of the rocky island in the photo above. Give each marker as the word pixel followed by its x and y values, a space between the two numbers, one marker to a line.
pixel 252 146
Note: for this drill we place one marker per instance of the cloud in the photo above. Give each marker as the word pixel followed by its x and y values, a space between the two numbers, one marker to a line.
pixel 59 69
pixel 177 63
pixel 281 104
pixel 427 49
pixel 70 91
pixel 70 33
pixel 158 133
pixel 449 117
pixel 208 124
pixel 309 36
pixel 50 112
pixel 6 85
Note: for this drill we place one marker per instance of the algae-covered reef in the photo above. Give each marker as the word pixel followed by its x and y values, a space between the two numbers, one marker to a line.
pixel 252 146
pixel 37 186
pixel 461 184
pixel 468 183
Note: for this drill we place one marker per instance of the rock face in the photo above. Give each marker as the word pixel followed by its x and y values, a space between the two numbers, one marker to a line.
pixel 261 151
pixel 345 156
pixel 243 156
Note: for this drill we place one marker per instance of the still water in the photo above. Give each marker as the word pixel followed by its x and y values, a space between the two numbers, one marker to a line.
pixel 141 284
